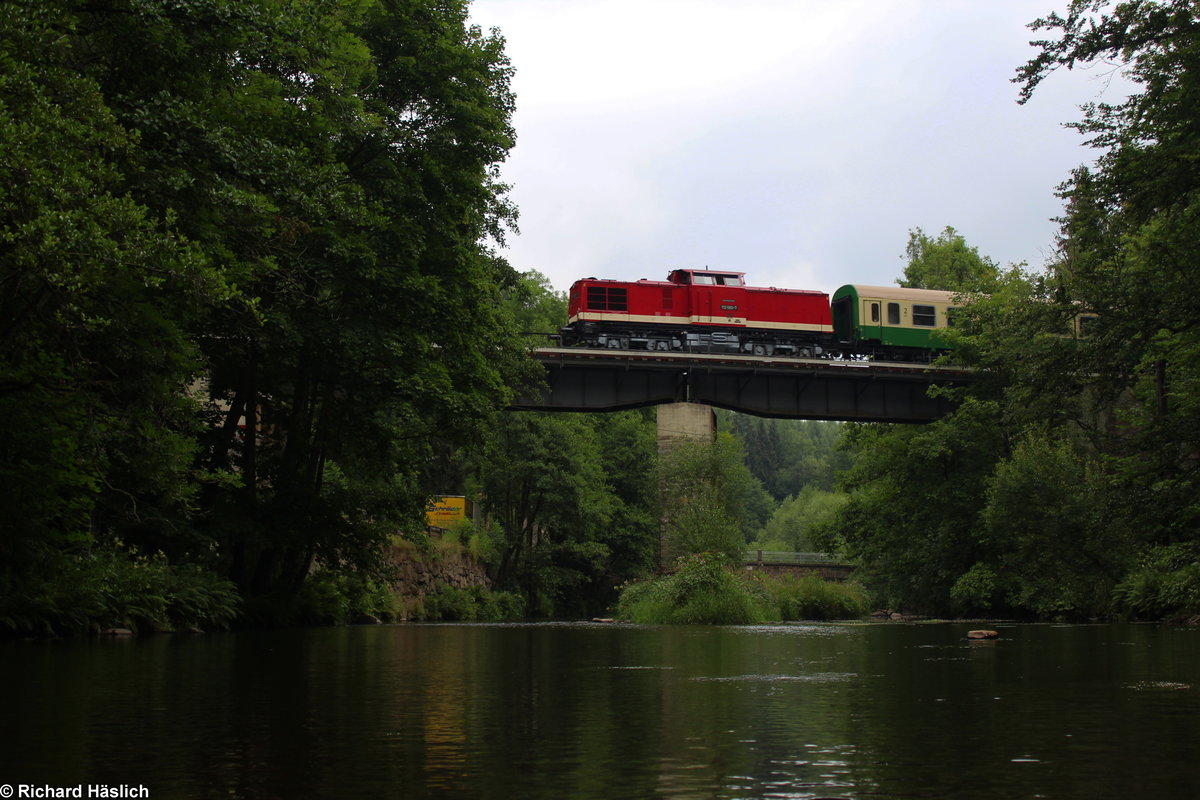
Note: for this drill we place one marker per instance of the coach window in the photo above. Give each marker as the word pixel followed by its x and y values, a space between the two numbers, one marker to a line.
pixel 925 316
pixel 874 312
pixel 893 313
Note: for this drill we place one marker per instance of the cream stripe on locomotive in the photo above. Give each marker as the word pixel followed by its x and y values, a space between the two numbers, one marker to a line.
pixel 654 319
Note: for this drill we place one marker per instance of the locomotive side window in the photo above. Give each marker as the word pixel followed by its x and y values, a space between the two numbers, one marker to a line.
pixel 925 315
pixel 893 311
pixel 604 298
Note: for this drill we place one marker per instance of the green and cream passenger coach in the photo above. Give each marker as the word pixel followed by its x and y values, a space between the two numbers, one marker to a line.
pixel 892 322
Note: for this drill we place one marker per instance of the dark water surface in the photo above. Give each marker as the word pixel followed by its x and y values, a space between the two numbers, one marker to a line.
pixel 608 711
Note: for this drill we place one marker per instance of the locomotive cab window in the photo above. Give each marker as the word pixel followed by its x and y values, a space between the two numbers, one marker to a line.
pixel 604 298
pixel 893 313
pixel 924 315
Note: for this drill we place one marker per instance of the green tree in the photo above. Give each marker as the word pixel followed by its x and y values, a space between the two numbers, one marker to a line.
pixel 628 451
pixel 799 520
pixel 1128 244
pixel 946 263
pixel 915 493
pixel 787 455
pixel 706 493
pixel 96 428
pixel 569 494
pixel 293 201
pixel 544 481
pixel 1047 522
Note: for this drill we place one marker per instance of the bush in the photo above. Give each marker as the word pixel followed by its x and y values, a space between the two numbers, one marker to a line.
pixel 706 588
pixel 1165 585
pixel 703 589
pixel 339 596
pixel 476 603
pixel 111 587
pixel 481 541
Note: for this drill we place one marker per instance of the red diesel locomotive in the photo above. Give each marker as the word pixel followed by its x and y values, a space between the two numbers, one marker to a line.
pixel 699 309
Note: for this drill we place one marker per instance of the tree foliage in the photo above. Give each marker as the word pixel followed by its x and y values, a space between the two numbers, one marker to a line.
pixel 1128 246
pixel 247 274
pixel 946 262
pixel 786 455
pixel 706 493
pixel 798 522
pixel 1075 473
pixel 571 496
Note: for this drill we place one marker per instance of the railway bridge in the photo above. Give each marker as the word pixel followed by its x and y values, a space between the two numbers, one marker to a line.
pixel 580 379
pixel 685 387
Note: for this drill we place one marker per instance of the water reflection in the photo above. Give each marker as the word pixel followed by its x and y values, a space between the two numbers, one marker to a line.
pixel 610 711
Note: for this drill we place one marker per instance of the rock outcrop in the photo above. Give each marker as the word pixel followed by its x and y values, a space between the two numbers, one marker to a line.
pixel 419 574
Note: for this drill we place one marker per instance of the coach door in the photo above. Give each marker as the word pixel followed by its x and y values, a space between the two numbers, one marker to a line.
pixel 872 319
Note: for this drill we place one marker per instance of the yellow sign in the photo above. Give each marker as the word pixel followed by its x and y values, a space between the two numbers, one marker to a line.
pixel 444 511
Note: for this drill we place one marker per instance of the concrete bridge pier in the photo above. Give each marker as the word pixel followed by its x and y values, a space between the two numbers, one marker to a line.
pixel 679 422
pixel 685 421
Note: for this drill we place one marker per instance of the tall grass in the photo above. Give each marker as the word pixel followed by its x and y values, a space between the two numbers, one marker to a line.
pixel 812 597
pixel 707 589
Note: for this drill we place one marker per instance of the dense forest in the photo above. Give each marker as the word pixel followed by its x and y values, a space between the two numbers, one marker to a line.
pixel 254 316
pixel 250 289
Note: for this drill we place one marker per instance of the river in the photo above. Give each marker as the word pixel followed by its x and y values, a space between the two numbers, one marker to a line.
pixel 890 710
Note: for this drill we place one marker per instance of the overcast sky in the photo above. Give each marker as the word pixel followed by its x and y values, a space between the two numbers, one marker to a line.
pixel 795 140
